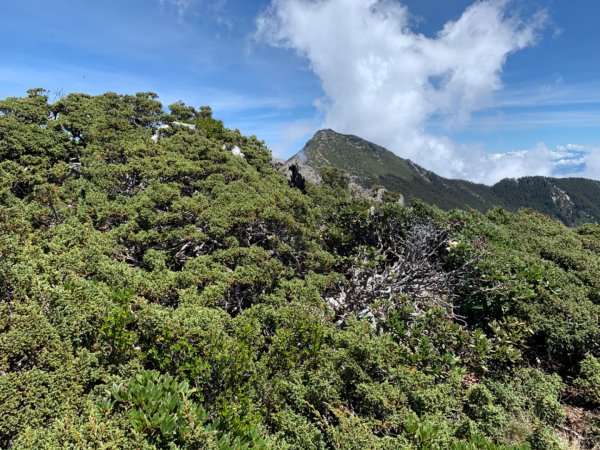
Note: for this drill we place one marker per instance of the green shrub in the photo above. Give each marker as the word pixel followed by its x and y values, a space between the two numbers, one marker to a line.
pixel 588 380
pixel 223 308
pixel 163 411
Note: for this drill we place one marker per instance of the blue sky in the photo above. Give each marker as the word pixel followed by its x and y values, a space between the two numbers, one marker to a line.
pixel 510 87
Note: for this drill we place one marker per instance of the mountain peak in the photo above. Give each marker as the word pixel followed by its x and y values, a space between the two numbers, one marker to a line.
pixel 571 200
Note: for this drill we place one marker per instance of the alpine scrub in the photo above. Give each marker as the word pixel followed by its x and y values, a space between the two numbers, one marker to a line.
pixel 161 289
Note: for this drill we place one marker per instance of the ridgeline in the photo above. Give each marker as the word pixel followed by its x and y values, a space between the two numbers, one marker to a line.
pixel 573 201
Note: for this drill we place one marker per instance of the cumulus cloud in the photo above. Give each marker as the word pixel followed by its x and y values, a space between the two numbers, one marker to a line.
pixel 536 161
pixel 592 164
pixel 383 81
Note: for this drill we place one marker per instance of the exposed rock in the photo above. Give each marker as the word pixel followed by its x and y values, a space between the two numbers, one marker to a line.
pixel 359 191
pixel 235 151
pixel 156 135
pixel 297 173
pixel 561 199
pixel 296 178
pixel 186 125
pixel 373 194
pixel 401 201
pixel 75 167
pixel 278 164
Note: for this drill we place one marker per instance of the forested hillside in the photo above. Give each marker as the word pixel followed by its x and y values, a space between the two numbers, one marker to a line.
pixel 163 286
pixel 573 201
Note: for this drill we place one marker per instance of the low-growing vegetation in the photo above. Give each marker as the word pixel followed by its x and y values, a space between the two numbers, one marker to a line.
pixel 169 293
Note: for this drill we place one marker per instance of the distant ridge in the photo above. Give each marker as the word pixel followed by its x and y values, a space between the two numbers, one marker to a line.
pixel 571 200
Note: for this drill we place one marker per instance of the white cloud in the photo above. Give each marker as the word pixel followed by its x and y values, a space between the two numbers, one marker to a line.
pixel 571 160
pixel 536 161
pixel 592 164
pixel 570 147
pixel 383 81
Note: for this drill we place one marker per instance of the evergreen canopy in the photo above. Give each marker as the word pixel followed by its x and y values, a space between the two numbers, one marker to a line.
pixel 171 293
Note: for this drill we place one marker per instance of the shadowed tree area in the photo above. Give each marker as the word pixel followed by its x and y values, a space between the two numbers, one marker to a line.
pixel 163 286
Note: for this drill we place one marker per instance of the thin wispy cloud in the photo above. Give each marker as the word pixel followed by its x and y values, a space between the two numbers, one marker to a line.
pixel 180 6
pixel 235 101
pixel 499 120
pixel 556 94
pixel 216 9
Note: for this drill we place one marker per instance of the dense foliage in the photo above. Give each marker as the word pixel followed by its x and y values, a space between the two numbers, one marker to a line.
pixel 159 290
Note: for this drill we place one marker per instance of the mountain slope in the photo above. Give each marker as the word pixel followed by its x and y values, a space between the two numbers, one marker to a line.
pixel 571 200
